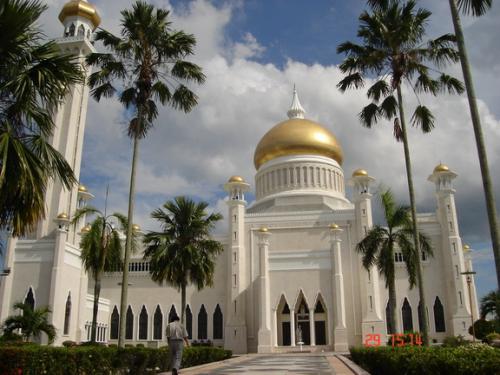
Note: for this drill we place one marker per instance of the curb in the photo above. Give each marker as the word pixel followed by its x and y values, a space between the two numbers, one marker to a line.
pixel 352 366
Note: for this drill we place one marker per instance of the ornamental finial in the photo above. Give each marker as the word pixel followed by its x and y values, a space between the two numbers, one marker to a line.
pixel 296 110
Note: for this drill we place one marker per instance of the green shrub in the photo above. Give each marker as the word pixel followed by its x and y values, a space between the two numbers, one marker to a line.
pixel 454 341
pixel 414 360
pixel 68 343
pixel 10 337
pixel 492 336
pixel 482 327
pixel 96 360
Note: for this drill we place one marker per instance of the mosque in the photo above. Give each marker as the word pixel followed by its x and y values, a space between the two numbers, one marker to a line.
pixel 289 275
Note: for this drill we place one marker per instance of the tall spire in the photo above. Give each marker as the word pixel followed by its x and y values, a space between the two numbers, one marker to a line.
pixel 296 110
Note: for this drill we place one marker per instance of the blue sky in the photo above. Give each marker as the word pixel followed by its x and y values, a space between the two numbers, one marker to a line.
pixel 252 53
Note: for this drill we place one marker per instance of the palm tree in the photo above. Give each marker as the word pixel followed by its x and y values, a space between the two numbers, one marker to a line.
pixel 377 248
pixel 101 250
pixel 148 62
pixel 31 322
pixel 183 253
pixel 34 78
pixel 490 304
pixel 394 52
pixel 477 8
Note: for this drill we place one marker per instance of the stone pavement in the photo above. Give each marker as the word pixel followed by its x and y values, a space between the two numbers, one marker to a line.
pixel 275 364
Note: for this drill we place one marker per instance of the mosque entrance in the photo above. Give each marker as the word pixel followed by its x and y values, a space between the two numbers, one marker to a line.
pixel 303 332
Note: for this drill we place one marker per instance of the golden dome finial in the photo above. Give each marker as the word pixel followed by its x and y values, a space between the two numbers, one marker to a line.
pixel 80 8
pixel 86 229
pixel 82 188
pixel 236 179
pixel 62 216
pixel 333 226
pixel 360 173
pixel 466 248
pixel 136 227
pixel 441 168
pixel 263 229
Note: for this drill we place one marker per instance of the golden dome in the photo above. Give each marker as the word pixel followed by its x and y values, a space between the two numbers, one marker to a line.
pixel 136 227
pixel 86 229
pixel 236 179
pixel 441 168
pixel 334 226
pixel 297 136
pixel 263 230
pixel 466 248
pixel 62 215
pixel 79 8
pixel 359 173
pixel 82 188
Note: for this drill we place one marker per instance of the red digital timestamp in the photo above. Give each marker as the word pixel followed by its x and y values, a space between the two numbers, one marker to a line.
pixel 397 339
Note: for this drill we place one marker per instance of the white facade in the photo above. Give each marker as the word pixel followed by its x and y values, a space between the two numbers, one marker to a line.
pixel 289 273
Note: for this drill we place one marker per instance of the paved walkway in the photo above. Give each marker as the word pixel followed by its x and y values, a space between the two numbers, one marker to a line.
pixel 275 364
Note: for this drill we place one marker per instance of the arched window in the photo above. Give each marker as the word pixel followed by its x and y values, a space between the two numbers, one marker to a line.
pixel 67 315
pixel 202 323
pixel 286 309
pixel 388 319
pixel 319 308
pixel 143 324
pixel 81 30
pixel 217 323
pixel 439 316
pixel 189 322
pixel 30 299
pixel 407 316
pixel 157 324
pixel 72 29
pixel 88 34
pixel 172 313
pixel 129 324
pixel 115 322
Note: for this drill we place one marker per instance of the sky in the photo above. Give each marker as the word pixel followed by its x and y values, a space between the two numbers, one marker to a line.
pixel 252 53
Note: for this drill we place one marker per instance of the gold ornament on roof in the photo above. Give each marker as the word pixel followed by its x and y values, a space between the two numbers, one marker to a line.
pixel 359 173
pixel 441 168
pixel 334 226
pixel 82 189
pixel 263 230
pixel 63 216
pixel 136 227
pixel 466 248
pixel 80 8
pixel 297 137
pixel 86 229
pixel 236 179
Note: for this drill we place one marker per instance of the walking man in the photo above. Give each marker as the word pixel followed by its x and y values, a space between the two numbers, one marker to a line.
pixel 176 336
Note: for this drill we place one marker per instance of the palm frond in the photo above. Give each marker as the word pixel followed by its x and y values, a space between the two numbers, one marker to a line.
pixel 451 84
pixel 423 118
pixel 369 115
pixel 388 108
pixel 474 7
pixel 379 89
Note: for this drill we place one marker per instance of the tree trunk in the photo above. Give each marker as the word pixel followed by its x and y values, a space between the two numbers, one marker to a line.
pixel 128 246
pixel 478 132
pixel 391 319
pixel 416 241
pixel 183 303
pixel 97 292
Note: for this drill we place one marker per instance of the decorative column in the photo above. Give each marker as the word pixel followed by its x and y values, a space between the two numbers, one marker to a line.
pixel 468 266
pixel 57 314
pixel 6 281
pixel 372 318
pixel 311 326
pixel 235 337
pixel 264 344
pixel 292 327
pixel 340 331
pixel 453 257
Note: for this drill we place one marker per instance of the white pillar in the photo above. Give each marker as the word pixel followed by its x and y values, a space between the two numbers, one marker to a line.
pixel 311 326
pixel 292 327
pixel 340 331
pixel 264 335
pixel 7 281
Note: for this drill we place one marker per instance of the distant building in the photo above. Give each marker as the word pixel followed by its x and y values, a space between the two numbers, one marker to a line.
pixel 289 267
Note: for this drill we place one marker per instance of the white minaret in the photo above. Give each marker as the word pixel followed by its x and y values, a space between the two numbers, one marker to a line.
pixel 79 19
pixel 48 262
pixel 372 317
pixel 236 329
pixel 457 308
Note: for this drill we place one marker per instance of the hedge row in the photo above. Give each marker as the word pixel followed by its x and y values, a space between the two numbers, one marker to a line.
pixel 89 360
pixel 469 359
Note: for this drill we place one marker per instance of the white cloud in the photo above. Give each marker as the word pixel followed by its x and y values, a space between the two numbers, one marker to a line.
pixel 194 154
